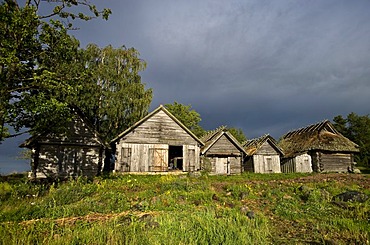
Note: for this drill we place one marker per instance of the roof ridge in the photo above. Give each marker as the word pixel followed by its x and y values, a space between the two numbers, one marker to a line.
pixel 210 134
pixel 307 128
pixel 256 141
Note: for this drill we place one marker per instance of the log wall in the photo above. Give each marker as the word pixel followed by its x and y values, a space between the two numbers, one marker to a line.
pixel 335 162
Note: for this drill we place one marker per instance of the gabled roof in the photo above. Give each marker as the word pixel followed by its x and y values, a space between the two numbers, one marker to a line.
pixel 158 109
pixel 77 115
pixel 319 136
pixel 253 145
pixel 209 135
pixel 213 136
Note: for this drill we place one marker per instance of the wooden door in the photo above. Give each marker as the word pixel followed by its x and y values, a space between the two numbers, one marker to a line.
pixel 268 164
pixel 222 165
pixel 158 159
pixel 126 159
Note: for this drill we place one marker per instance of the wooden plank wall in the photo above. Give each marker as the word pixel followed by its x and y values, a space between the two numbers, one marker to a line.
pixel 65 161
pixel 266 159
pixel 152 157
pixel 288 165
pixel 224 164
pixel 335 162
pixel 223 146
pixel 266 164
pixel 303 163
pixel 235 165
pixel 159 129
pixel 191 158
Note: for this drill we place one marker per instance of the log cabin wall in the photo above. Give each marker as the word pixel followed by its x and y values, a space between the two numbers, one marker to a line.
pixel 335 162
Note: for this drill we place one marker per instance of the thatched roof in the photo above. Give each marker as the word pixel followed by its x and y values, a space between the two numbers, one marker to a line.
pixel 253 145
pixel 320 136
pixel 213 136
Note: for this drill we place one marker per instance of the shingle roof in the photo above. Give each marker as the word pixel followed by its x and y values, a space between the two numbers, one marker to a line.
pixel 252 146
pixel 319 136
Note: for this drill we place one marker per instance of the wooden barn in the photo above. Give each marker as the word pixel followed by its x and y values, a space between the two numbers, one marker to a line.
pixel 263 155
pixel 157 143
pixel 320 147
pixel 78 151
pixel 222 153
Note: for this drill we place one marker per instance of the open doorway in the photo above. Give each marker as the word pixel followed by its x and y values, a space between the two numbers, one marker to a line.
pixel 175 158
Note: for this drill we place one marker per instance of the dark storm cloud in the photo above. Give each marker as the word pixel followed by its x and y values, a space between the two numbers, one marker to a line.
pixel 263 66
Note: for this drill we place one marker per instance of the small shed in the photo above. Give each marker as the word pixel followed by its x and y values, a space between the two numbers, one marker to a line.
pixel 222 153
pixel 157 143
pixel 76 152
pixel 319 147
pixel 263 155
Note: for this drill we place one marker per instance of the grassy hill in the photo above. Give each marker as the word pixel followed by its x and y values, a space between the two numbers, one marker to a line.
pixel 183 209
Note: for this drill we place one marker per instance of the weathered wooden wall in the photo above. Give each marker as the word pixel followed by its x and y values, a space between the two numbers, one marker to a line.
pixel 159 129
pixel 146 147
pixel 288 165
pixel 223 146
pixel 334 162
pixel 223 164
pixel 152 157
pixel 77 152
pixel 224 157
pixel 300 164
pixel 60 161
pixel 266 160
pixel 303 163
pixel 266 163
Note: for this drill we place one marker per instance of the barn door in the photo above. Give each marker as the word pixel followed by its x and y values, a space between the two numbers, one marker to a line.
pixel 158 159
pixel 222 165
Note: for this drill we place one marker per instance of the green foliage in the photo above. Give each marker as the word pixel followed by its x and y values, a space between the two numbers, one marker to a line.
pixel 238 134
pixel 169 209
pixel 40 63
pixel 43 72
pixel 189 117
pixel 357 129
pixel 113 97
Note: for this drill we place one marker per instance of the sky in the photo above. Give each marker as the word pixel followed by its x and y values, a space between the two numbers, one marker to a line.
pixel 265 67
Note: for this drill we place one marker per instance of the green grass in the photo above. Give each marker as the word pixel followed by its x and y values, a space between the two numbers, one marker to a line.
pixel 168 209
